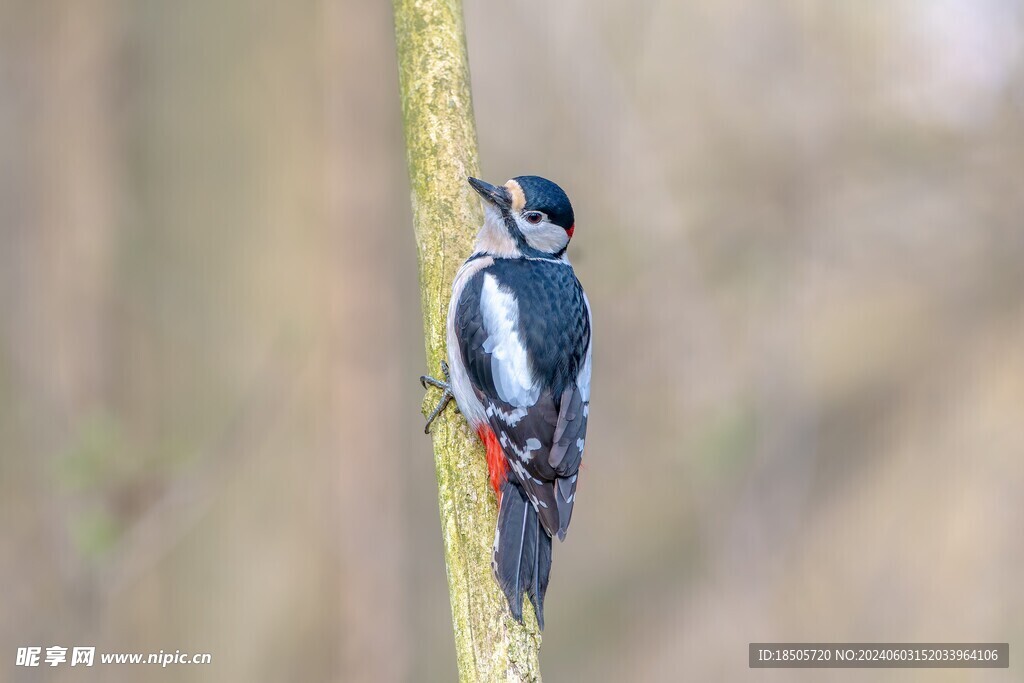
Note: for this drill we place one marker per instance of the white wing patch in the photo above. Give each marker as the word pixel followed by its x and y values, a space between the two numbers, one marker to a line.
pixel 526 454
pixel 511 418
pixel 583 379
pixel 510 365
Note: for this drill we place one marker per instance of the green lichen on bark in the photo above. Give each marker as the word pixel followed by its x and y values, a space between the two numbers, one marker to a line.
pixel 440 140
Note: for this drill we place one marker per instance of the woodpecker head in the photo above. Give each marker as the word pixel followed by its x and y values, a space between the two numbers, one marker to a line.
pixel 527 216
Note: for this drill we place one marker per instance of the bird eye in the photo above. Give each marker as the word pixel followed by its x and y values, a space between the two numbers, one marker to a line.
pixel 533 217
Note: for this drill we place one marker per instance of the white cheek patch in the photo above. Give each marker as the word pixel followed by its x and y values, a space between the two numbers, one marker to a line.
pixel 510 365
pixel 546 237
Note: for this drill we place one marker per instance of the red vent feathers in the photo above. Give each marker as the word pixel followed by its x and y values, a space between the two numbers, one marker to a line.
pixel 497 466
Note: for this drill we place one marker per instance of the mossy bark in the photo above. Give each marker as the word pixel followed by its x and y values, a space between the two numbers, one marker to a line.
pixel 441 144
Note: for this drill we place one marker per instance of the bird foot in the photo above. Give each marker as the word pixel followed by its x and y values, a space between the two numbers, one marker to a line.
pixel 446 394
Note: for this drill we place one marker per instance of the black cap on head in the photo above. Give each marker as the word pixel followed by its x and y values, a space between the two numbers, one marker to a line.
pixel 544 195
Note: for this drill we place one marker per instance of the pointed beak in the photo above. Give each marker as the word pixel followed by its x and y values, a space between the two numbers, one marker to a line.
pixel 498 196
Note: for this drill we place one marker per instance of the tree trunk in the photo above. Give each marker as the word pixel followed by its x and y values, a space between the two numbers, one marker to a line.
pixel 441 143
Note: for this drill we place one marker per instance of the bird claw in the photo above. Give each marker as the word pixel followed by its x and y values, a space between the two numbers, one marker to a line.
pixel 446 395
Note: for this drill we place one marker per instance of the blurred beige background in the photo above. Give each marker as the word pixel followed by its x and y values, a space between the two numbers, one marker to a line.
pixel 801 226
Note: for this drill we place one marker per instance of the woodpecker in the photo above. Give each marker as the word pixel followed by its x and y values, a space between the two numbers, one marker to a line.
pixel 519 357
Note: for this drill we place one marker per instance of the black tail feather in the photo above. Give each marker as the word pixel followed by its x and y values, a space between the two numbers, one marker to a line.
pixel 522 552
pixel 542 571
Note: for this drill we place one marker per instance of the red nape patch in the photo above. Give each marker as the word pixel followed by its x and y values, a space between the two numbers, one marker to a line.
pixel 497 466
pixel 571 230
